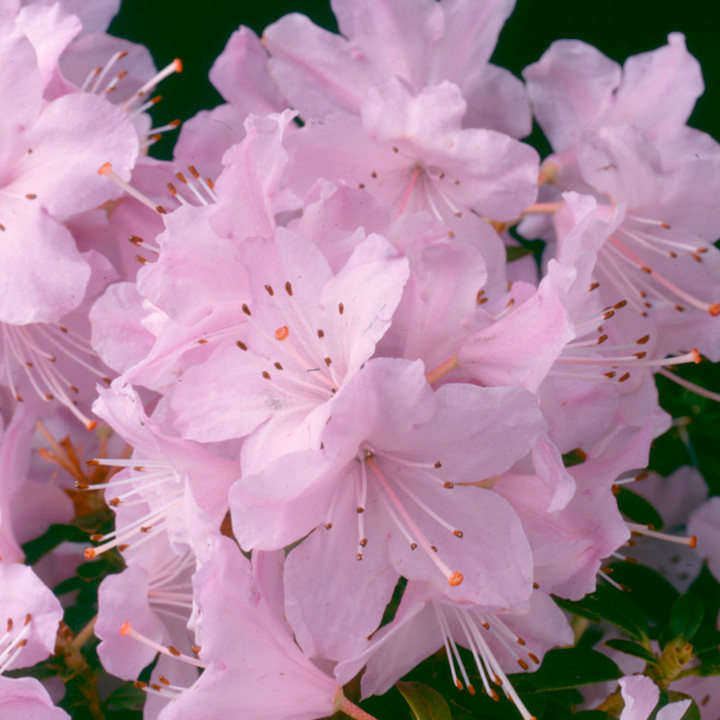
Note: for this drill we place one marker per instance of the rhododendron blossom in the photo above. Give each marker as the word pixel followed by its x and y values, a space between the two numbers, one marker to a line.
pixel 357 397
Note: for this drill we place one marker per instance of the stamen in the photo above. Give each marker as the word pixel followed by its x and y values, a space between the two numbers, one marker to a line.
pixel 649 532
pixel 106 170
pixel 454 578
pixel 127 630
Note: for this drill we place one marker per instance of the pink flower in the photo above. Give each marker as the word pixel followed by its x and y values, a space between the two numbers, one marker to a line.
pixel 641 696
pixel 393 485
pixel 421 43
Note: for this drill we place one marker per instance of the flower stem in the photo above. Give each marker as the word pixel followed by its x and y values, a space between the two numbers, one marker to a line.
pixel 84 635
pixel 353 710
pixel 443 369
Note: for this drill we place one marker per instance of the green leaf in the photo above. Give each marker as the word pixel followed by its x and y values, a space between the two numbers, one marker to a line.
pixel 425 703
pixel 630 648
pixel 647 589
pixel 574 457
pixel 127 697
pixel 612 605
pixel 637 508
pixel 515 252
pixel 706 639
pixel 567 668
pixel 686 616
pixel 672 696
pixel 53 536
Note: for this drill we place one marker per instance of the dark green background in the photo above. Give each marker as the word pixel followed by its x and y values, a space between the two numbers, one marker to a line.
pixel 197 31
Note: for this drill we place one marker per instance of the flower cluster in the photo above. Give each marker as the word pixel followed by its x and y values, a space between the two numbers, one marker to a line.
pixel 341 419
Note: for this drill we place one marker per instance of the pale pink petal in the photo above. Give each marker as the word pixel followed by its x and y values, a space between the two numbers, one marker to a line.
pixel 659 88
pixel 569 87
pixel 72 138
pixel 43 277
pixel 27 698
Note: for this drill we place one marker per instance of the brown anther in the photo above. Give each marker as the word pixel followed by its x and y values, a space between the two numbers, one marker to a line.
pixel 451 234
pixel 269 289
pixel 640 355
pixel 10 624
pixel 278 365
pixel 172 188
pixel 141 259
pixel 396 149
pixel 457 182
pixel 520 641
pixel 139 684
pixel 89 553
pixel 437 464
pixel 173 650
pixel 522 664
pixel 642 340
pixel 646 269
pixel 328 526
pixel 620 304
pixel 289 288
pixel 146 528
pixel 359 509
pixel 195 648
pixel 160 210
pixel 458 533
pixel 448 485
pixel 202 341
pixel 31 196
pixel 615 489
pixel 434 548
pixel 358 556
pixel 114 502
pixel 672 254
pixel 156 687
pixel 641 476
pixel 696 257
pixel 363 542
pixel 123 547
pixel 413 546
pixel 175 123
pixel 328 361
pixel 48 396
pixel 455 579
pixel 494 695
pixel 373 174
pixel 610 374
pixel 361 186
pixel 693 541
pixel 246 309
pixel 163 680
pixel 266 374
pixel 534 658
pixel 193 171
pixel 697 358
pixel 486 625
pixel 624 377
pixel 536 586
pixel 602 339
pixel 458 684
pixel 607 315
pixel 241 345
pixel 341 308
pixel 2 228
pixel 321 334
pixel 594 286
pixel 96 537
pixel 714 309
